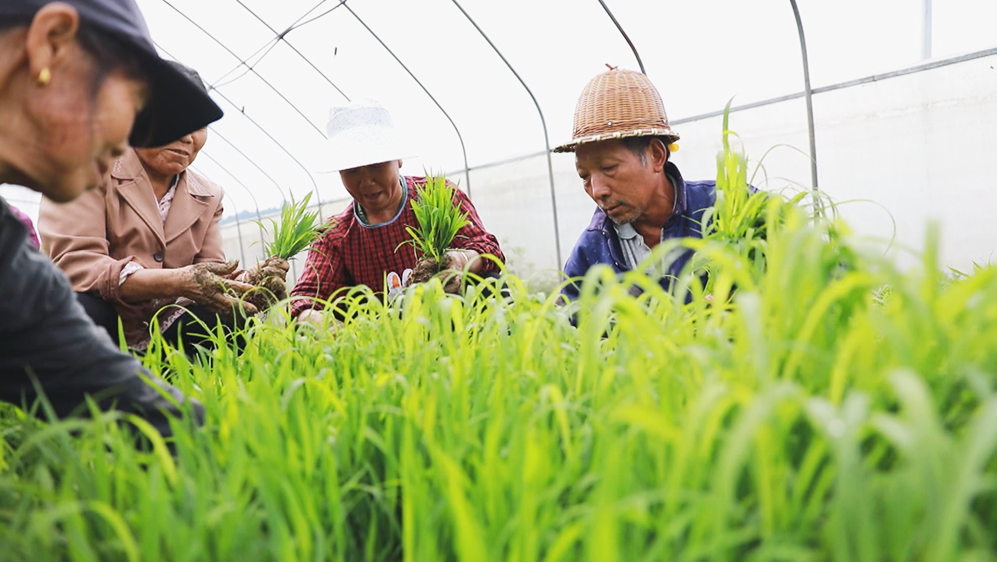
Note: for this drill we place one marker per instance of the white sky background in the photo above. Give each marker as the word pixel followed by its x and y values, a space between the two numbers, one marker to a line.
pixel 698 54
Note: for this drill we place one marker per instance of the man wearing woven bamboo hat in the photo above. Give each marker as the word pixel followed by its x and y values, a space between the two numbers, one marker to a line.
pixel 623 144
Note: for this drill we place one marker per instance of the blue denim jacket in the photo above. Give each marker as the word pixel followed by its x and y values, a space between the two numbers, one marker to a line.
pixel 600 244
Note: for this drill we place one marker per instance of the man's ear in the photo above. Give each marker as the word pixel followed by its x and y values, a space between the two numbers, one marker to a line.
pixel 658 154
pixel 50 35
pixel 399 164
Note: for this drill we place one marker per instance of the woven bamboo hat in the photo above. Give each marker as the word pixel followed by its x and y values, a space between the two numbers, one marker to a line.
pixel 618 104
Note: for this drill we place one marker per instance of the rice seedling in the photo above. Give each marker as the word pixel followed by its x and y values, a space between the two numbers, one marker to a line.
pixel 296 230
pixel 816 417
pixel 294 233
pixel 439 221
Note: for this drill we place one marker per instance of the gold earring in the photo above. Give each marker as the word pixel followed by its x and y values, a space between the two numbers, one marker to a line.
pixel 44 77
pixel 674 147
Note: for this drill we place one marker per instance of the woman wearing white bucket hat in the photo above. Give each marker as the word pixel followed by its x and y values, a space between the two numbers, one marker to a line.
pixel 361 245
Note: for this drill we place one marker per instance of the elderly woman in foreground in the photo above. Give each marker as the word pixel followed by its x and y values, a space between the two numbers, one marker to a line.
pixel 74 77
pixel 148 239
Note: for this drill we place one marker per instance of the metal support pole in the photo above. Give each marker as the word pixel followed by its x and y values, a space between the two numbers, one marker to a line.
pixel 818 204
pixel 640 63
pixel 259 218
pixel 242 109
pixel 925 29
pixel 467 170
pixel 543 122
pixel 238 232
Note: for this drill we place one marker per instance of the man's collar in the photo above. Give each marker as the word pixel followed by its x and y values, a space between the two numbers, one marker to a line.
pixel 678 186
pixel 625 231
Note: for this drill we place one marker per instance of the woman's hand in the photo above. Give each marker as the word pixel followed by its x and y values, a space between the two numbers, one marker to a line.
pixel 207 285
pixel 312 318
pixel 271 267
pixel 313 322
pixel 268 280
pixel 274 267
pixel 458 259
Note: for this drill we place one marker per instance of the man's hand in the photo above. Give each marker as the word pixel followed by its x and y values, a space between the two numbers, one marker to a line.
pixel 206 284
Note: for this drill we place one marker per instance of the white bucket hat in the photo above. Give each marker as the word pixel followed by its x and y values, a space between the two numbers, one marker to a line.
pixel 362 133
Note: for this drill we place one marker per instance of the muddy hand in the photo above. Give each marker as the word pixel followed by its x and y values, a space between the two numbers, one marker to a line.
pixel 451 280
pixel 459 259
pixel 274 267
pixel 271 267
pixel 455 259
pixel 206 285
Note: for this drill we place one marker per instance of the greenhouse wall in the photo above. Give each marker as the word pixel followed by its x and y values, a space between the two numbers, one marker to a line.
pixel 904 149
pixel 894 152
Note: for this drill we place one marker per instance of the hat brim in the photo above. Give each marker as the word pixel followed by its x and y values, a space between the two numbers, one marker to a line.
pixel 364 146
pixel 176 106
pixel 669 134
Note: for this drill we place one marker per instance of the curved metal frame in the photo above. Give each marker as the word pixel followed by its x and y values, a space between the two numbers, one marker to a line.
pixel 282 36
pixel 818 204
pixel 259 217
pixel 250 68
pixel 286 151
pixel 318 196
pixel 543 122
pixel 640 63
pixel 467 171
pixel 238 228
pixel 215 132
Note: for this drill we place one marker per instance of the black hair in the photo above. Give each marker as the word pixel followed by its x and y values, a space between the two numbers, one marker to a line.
pixel 638 145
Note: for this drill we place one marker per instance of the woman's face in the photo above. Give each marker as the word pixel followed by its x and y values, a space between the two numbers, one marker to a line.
pixel 173 158
pixel 376 188
pixel 80 128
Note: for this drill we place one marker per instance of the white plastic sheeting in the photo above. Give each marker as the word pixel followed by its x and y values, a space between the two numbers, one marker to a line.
pixel 902 135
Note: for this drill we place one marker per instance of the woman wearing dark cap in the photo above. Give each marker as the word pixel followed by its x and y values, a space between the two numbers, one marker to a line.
pixel 141 242
pixel 75 76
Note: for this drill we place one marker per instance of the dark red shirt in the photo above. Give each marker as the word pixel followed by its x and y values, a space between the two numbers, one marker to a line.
pixel 351 253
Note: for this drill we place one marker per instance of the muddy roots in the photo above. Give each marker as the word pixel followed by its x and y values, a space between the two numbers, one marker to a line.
pixel 427 268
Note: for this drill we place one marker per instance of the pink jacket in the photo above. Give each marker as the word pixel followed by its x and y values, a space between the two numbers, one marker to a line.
pixel 93 237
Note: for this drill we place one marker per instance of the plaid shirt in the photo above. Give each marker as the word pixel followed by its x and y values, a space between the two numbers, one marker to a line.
pixel 351 253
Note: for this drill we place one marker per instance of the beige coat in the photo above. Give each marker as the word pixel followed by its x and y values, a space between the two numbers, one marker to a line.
pixel 93 237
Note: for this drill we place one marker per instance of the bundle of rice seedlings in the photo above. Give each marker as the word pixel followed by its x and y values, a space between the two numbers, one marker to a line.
pixel 440 219
pixel 737 216
pixel 296 231
pixel 742 216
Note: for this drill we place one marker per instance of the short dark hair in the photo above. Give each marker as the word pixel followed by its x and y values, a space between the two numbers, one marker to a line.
pixel 638 145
